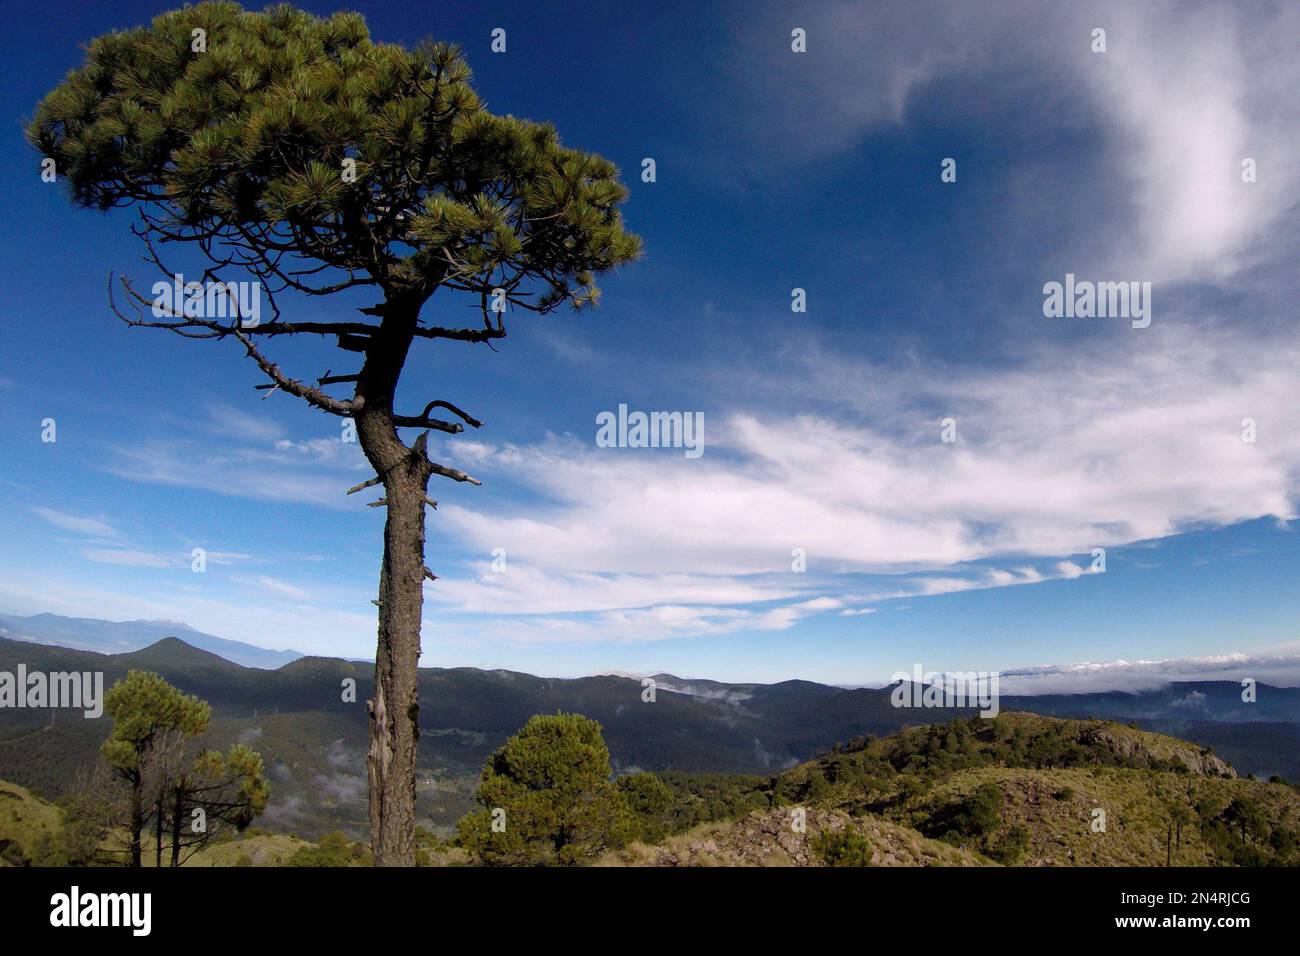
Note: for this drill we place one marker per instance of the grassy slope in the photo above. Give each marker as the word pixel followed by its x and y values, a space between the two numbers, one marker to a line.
pixel 260 849
pixel 1056 807
pixel 24 819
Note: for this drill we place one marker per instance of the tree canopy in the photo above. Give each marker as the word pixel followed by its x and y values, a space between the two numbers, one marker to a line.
pixel 238 129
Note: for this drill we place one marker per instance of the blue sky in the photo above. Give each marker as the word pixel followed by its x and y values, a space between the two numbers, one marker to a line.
pixel 775 170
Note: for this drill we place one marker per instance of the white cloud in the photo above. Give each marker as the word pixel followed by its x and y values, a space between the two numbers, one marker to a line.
pixel 228 421
pixel 527 589
pixel 1137 438
pixel 1140 675
pixel 314 472
pixel 658 622
pixel 277 587
pixel 129 557
pixel 1184 92
pixel 1190 92
pixel 227 557
pixel 76 523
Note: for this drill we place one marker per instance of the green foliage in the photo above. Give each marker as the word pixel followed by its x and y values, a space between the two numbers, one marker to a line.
pixel 650 802
pixel 143 707
pixel 1011 846
pixel 334 849
pixel 980 813
pixel 548 797
pixel 238 776
pixel 79 841
pixel 701 797
pixel 843 847
pixel 50 852
pixel 248 132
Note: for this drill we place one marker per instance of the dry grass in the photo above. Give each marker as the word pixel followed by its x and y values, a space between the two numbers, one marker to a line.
pixel 769 839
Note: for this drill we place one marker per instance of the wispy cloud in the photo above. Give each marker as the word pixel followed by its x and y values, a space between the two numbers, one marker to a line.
pixel 1174 127
pixel 130 557
pixel 277 587
pixel 1132 440
pixel 316 472
pixel 76 523
pixel 1140 675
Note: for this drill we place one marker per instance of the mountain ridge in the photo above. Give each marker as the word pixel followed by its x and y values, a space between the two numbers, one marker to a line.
pixel 108 637
pixel 313 736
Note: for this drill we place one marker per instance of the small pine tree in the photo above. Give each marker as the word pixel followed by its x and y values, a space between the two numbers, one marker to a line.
pixel 548 798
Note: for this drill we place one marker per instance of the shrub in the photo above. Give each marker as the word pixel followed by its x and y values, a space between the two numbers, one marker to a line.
pixel 844 847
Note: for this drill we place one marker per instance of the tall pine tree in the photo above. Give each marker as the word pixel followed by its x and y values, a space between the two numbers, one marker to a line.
pixel 298 151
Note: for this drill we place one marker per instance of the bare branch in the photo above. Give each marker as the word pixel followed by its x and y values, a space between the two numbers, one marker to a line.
pixel 364 485
pixel 188 325
pixel 422 421
pixel 464 416
pixel 453 474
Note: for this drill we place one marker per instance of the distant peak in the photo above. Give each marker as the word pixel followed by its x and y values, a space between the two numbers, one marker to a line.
pixel 173 650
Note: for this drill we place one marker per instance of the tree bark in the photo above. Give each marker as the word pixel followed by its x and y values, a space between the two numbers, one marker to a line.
pixel 177 810
pixel 394 707
pixel 158 831
pixel 137 819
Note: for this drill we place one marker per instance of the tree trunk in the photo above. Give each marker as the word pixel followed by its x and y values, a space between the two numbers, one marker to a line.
pixel 158 831
pixel 177 813
pixel 394 707
pixel 137 819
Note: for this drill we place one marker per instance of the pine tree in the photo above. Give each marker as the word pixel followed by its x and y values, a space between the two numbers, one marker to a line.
pixel 298 152
pixel 548 797
pixel 153 723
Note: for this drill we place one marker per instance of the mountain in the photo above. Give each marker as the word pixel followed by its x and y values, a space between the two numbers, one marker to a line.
pixel 314 743
pixel 115 637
